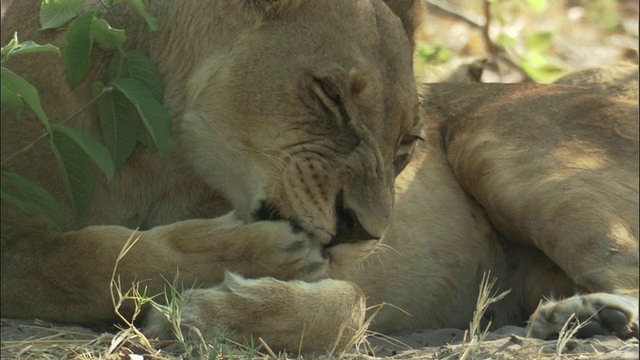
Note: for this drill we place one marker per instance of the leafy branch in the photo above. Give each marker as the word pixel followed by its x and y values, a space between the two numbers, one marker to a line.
pixel 130 109
pixel 527 57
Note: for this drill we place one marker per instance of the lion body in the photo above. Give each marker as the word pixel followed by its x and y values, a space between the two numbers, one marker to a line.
pixel 310 118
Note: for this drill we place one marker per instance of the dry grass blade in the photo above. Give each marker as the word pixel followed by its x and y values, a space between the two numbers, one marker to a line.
pixel 534 316
pixel 360 337
pixel 569 330
pixel 486 297
pixel 46 342
pixel 266 347
pixel 118 297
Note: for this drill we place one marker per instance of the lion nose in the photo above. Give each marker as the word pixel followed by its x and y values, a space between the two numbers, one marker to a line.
pixel 349 228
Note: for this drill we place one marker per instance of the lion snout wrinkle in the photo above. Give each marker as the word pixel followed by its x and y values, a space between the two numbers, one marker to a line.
pixel 321 199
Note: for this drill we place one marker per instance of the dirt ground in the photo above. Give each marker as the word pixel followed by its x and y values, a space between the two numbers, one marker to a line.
pixel 33 339
pixel 579 40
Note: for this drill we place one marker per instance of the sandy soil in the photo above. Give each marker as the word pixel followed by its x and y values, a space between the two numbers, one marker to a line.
pixel 506 343
pixel 33 339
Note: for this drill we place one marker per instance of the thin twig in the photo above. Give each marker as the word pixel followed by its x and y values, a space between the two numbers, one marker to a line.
pixel 496 51
pixel 25 149
pixel 113 18
pixel 29 146
pixel 448 10
pixel 492 48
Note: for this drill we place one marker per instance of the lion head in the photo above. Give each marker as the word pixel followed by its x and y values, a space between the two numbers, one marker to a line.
pixel 298 110
pixel 308 115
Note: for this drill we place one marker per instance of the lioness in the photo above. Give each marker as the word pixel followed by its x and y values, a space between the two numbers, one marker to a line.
pixel 292 121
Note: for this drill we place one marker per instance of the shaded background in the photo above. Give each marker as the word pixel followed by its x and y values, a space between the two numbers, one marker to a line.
pixel 524 40
pixel 529 40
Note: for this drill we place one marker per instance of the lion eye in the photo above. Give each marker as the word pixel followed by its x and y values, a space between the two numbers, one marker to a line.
pixel 330 89
pixel 405 152
pixel 409 140
pixel 400 162
pixel 331 97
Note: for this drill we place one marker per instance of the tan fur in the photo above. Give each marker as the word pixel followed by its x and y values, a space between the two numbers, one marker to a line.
pixel 281 312
pixel 256 121
pixel 562 178
pixel 297 104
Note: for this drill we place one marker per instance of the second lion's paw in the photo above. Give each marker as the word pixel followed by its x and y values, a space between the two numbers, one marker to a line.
pixel 597 313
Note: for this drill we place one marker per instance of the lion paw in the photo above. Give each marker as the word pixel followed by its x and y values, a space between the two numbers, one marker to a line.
pixel 600 314
pixel 283 313
pixel 284 252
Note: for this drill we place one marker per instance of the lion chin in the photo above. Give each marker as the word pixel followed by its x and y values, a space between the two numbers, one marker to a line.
pixel 310 177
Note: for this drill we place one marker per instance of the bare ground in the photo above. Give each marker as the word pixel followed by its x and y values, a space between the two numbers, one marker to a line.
pixel 34 339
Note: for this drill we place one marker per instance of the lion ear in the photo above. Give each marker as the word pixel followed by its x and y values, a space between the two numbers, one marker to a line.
pixel 410 12
pixel 265 9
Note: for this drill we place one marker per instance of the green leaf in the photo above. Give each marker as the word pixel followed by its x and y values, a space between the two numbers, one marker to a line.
pixel 143 136
pixel 108 37
pixel 21 87
pixel 76 55
pixel 155 116
pixel 506 40
pixel 539 41
pixel 538 5
pixel 151 21
pixel 55 13
pixel 17 48
pixel 119 123
pixel 433 54
pixel 540 68
pixel 90 147
pixel 136 65
pixel 75 153
pixel 18 200
pixel 10 98
pixel 77 172
pixel 30 197
pixel 28 47
pixel 7 49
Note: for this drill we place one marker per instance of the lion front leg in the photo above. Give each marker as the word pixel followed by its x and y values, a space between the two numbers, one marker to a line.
pixel 66 277
pixel 206 249
pixel 291 315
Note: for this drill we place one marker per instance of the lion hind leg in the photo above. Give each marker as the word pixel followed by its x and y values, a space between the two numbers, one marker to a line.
pixel 599 314
pixel 289 315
